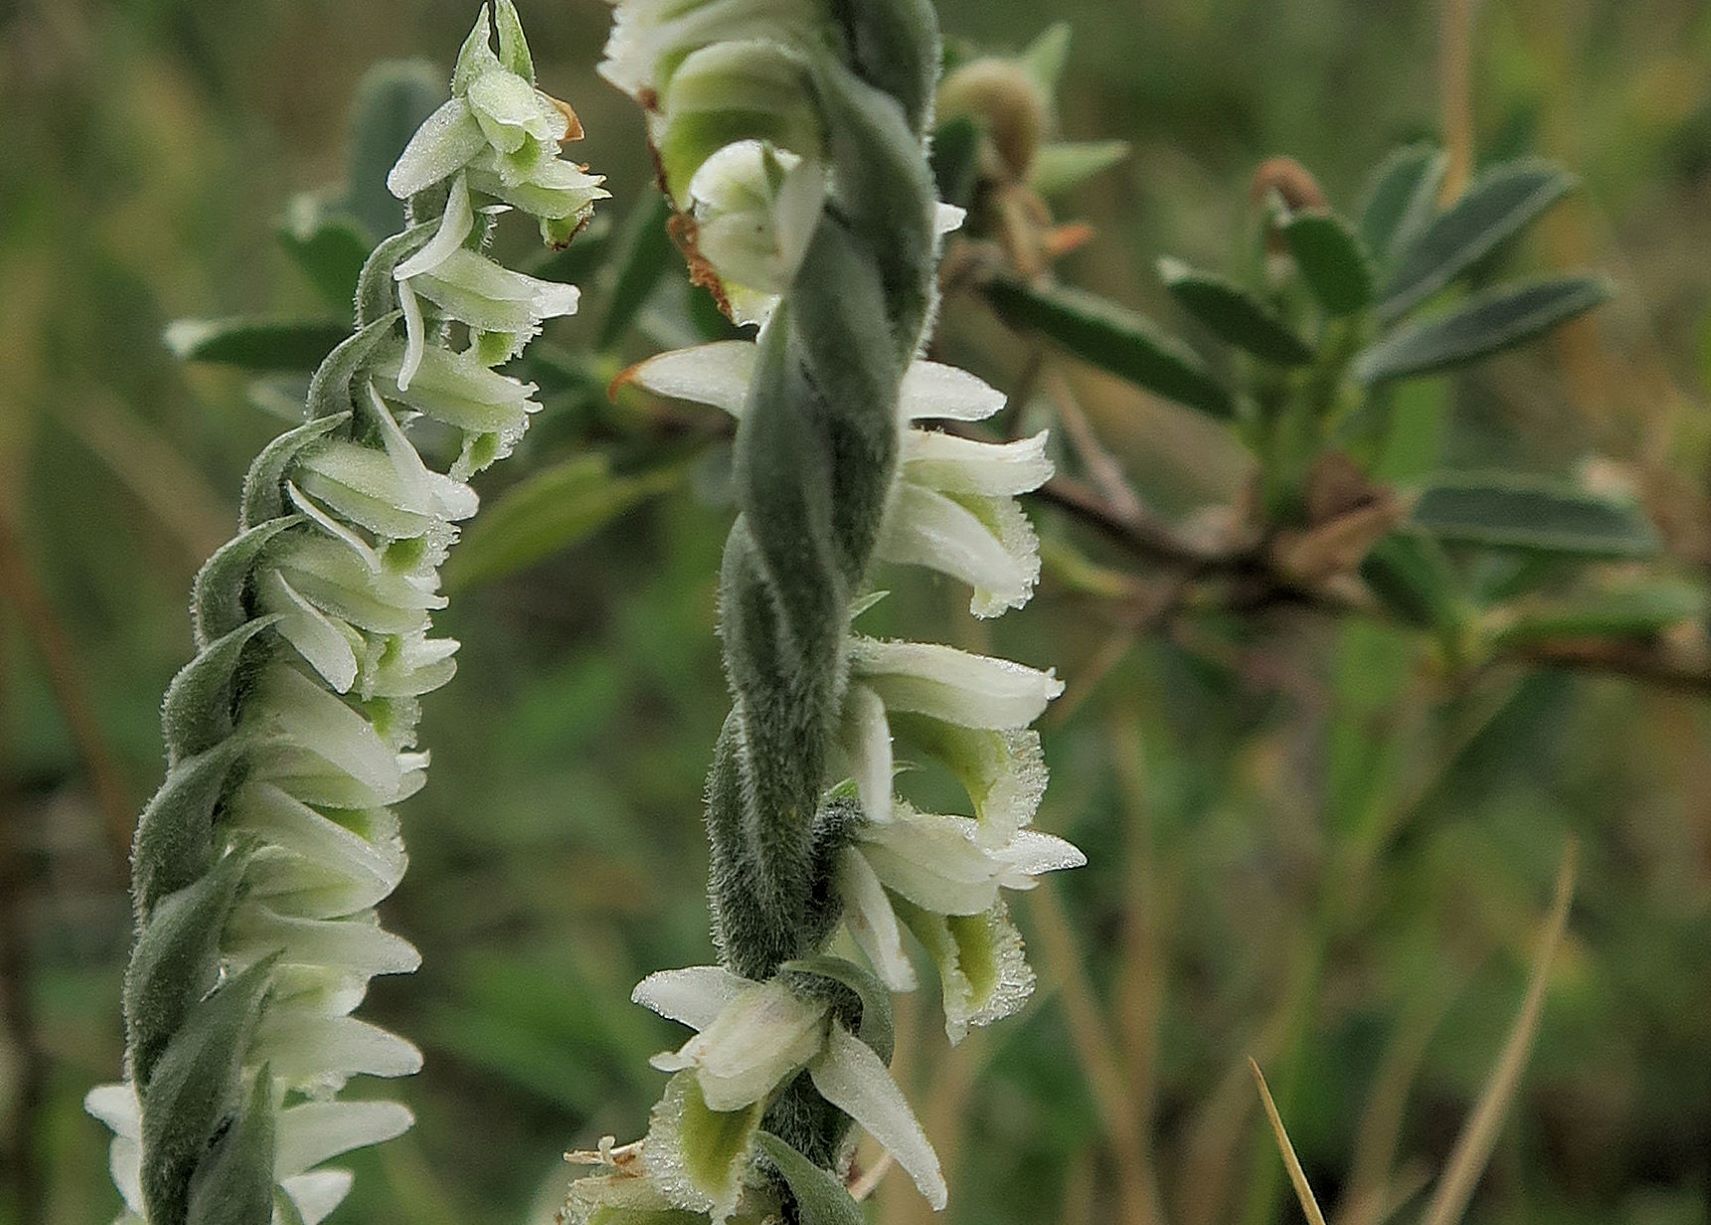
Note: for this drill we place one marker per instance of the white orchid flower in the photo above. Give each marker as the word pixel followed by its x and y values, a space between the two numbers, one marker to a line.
pixel 755 209
pixel 753 1038
pixel 308 1134
pixel 954 508
pixel 936 875
pixel 503 135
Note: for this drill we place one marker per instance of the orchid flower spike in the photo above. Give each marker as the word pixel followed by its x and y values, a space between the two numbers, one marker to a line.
pixel 292 733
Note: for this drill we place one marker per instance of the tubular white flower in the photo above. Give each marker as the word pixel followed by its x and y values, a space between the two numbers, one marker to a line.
pixel 952 686
pixel 755 209
pixel 953 510
pixel 260 861
pixel 753 1038
pixel 940 876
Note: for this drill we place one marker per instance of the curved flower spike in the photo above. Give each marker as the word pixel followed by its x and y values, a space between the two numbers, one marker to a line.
pixel 260 860
pixel 503 134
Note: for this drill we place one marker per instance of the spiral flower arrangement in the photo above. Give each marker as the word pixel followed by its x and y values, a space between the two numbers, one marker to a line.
pixel 790 137
pixel 292 733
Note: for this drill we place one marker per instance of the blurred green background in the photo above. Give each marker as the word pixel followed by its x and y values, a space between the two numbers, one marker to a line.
pixel 1304 843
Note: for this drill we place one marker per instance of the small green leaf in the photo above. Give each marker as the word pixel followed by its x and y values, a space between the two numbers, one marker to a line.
pixel 645 254
pixel 876 1024
pixel 329 249
pixel 1488 323
pixel 1413 578
pixel 391 103
pixel 956 159
pixel 1498 206
pixel 551 511
pixel 1234 316
pixel 1638 612
pixel 1402 198
pixel 1044 58
pixel 1114 339
pixel 256 344
pixel 1512 511
pixel 1331 260
pixel 1066 164
pixel 820 1198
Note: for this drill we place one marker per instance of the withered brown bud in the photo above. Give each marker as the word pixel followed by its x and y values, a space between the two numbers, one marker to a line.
pixel 1007 101
pixel 1290 180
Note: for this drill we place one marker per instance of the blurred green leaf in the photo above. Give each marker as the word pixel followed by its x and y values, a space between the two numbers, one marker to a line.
pixel 1233 315
pixel 329 249
pixel 1637 612
pixel 1401 199
pixel 1498 206
pixel 820 1198
pixel 1508 510
pixel 1115 339
pixel 1044 58
pixel 552 510
pixel 1331 261
pixel 1485 324
pixel 523 1056
pixel 1065 164
pixel 1413 578
pixel 645 252
pixel 391 102
pixel 956 159
pixel 256 344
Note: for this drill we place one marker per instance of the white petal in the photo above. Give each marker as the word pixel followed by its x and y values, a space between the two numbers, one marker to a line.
pixel 116 1106
pixel 317 1193
pixel 1004 772
pixel 319 516
pixel 373 869
pixel 983 972
pixel 455 224
pixel 934 862
pixel 316 720
pixel 355 944
pixel 446 140
pixel 431 492
pixel 948 394
pixel 866 740
pixel 872 922
pixel 947 217
pixel 963 465
pixel 415 336
pixel 717 374
pixel 311 631
pixel 850 1076
pixel 998 555
pixel 761 1037
pixel 956 686
pixel 125 1164
pixel 313 1132
pixel 1031 853
pixel 694 996
pixel 316 1053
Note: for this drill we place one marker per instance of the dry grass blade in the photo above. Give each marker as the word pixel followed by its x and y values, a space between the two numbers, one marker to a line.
pixel 1297 1176
pixel 1473 1147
